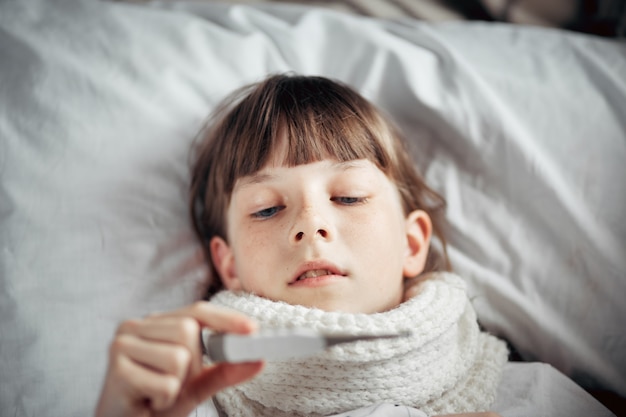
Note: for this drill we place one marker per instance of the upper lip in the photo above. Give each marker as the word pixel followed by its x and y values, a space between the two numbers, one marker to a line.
pixel 316 265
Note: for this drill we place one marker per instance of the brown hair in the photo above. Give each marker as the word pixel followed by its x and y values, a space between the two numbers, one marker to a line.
pixel 322 118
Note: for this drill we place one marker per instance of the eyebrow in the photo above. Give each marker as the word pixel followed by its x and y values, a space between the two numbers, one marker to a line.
pixel 347 165
pixel 261 177
pixel 256 178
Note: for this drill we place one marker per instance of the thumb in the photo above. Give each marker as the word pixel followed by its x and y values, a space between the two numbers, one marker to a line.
pixel 218 377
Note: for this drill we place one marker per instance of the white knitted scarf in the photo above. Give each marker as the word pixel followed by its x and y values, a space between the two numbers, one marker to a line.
pixel 446 366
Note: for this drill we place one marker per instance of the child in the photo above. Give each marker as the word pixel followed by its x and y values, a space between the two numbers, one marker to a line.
pixel 312 215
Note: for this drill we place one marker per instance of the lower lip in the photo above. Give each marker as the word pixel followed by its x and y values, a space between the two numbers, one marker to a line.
pixel 317 281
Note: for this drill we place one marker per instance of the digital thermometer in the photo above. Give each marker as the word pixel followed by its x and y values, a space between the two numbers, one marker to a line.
pixel 276 344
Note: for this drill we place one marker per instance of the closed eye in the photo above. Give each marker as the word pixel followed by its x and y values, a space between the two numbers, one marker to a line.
pixel 267 212
pixel 348 201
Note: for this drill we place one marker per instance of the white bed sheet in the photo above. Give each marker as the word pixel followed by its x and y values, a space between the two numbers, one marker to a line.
pixel 522 129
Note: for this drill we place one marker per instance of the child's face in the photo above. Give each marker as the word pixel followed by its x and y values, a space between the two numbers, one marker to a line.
pixel 326 234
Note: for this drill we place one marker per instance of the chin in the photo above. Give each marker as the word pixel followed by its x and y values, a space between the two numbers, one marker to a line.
pixel 341 306
pixel 330 305
pixel 357 308
pixel 333 302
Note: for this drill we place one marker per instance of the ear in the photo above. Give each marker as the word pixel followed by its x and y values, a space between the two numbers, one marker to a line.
pixel 418 233
pixel 224 261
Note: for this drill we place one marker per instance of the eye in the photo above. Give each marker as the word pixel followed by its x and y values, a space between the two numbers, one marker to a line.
pixel 267 212
pixel 348 201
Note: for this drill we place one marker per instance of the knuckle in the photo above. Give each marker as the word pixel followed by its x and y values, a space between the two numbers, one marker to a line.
pixel 180 359
pixel 118 365
pixel 119 345
pixel 127 326
pixel 166 393
pixel 188 330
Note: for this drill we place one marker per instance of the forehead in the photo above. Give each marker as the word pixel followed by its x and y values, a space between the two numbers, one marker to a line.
pixel 276 172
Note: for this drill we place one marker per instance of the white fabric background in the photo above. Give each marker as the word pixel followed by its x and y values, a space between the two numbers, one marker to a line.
pixel 523 130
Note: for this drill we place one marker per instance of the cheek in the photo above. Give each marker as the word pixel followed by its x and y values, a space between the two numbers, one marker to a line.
pixel 381 236
pixel 250 245
pixel 377 225
pixel 256 252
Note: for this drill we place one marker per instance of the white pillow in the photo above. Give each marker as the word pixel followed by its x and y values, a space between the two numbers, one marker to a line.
pixel 521 129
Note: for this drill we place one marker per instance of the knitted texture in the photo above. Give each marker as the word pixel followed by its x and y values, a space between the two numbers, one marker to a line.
pixel 446 366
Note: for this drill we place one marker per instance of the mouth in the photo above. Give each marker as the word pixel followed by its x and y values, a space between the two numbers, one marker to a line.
pixel 316 273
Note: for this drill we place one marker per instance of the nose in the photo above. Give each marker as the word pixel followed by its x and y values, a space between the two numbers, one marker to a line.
pixel 311 225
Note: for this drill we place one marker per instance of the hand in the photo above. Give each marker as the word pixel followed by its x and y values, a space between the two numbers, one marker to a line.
pixel 155 364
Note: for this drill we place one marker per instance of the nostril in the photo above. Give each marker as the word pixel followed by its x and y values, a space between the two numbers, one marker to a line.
pixel 323 233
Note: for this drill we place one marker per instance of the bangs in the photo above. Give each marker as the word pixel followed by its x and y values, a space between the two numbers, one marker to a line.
pixel 309 119
pixel 320 123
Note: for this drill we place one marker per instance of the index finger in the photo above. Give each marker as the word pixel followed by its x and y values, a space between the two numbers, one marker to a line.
pixel 217 318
